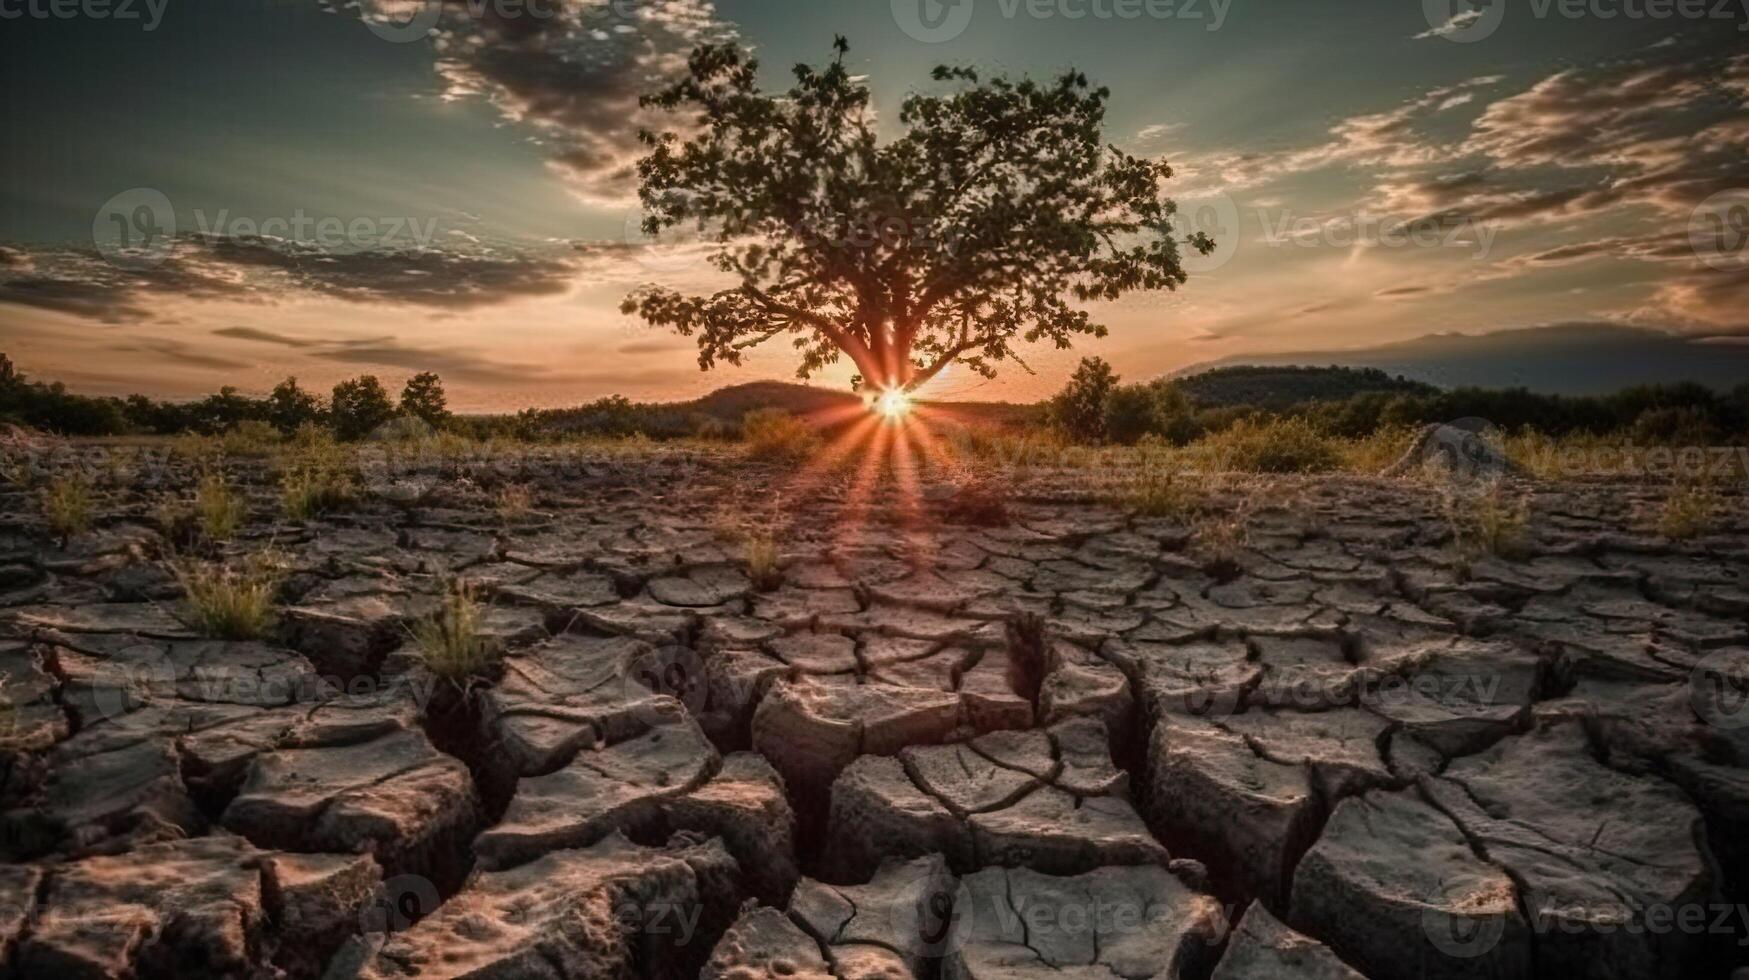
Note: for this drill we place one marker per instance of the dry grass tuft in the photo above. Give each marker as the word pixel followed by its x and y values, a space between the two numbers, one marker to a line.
pixel 219 509
pixel 317 480
pixel 514 501
pixel 69 505
pixel 1162 491
pixel 1218 539
pixel 1689 511
pixel 763 570
pixel 452 641
pixel 1488 525
pixel 228 602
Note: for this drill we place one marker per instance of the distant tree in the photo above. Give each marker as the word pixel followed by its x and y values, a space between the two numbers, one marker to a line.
pixel 1131 412
pixel 1079 409
pixel 225 410
pixel 359 406
pixel 990 220
pixel 290 407
pixel 423 398
pixel 9 376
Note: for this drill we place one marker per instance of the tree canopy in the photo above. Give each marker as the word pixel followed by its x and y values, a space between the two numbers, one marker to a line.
pixel 992 220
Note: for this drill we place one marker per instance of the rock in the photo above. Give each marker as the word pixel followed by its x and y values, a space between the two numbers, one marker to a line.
pixel 1051 803
pixel 390 795
pixel 765 945
pixel 1213 798
pixel 1262 948
pixel 211 906
pixel 613 910
pixel 570 693
pixel 1394 888
pixel 1137 922
pixel 745 806
pixel 1470 453
pixel 893 927
pixel 1588 873
pixel 1459 699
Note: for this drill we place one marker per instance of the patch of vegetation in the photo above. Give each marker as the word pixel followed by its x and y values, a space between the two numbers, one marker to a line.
pixel 1281 388
pixel 1277 446
pixel 760 553
pixel 452 642
pixel 69 505
pixel 231 602
pixel 1162 491
pixel 1689 510
pixel 771 434
pixel 978 503
pixel 219 509
pixel 1079 409
pixel 514 501
pixel 1218 540
pixel 315 482
pixel 1493 524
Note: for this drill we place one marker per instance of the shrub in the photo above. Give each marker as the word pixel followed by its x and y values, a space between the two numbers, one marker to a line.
pixel 772 434
pixel 231 603
pixel 1218 539
pixel 1131 412
pixel 978 503
pixel 1684 426
pixel 218 508
pixel 249 438
pixel 69 505
pixel 452 641
pixel 1079 409
pixel 1288 445
pixel 290 408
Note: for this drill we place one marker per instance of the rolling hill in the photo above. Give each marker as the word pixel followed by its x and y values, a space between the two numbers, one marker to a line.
pixel 1566 359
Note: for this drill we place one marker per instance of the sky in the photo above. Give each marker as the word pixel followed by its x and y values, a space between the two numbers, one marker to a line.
pixel 393 186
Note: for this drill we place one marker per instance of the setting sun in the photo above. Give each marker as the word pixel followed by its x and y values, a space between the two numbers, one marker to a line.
pixel 894 404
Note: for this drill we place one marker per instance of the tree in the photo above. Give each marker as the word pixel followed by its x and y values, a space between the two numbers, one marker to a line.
pixel 359 406
pixel 290 407
pixel 986 223
pixel 1131 412
pixel 1079 409
pixel 9 376
pixel 423 398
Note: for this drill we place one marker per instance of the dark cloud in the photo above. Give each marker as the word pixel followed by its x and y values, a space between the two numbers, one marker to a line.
pixel 262 336
pixel 82 283
pixel 452 363
pixel 572 73
pixel 655 346
pixel 179 352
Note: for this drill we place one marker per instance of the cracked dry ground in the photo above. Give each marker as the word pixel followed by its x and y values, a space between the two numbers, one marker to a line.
pixel 1052 748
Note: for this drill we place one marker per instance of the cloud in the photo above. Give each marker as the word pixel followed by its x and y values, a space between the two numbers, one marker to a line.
pixel 179 352
pixel 1458 22
pixel 262 336
pixel 80 282
pixel 453 363
pixel 571 73
pixel 668 345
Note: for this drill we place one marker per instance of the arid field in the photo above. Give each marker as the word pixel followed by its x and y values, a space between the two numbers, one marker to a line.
pixel 647 711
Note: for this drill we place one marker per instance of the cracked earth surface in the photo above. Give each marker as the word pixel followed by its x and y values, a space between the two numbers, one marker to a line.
pixel 1054 748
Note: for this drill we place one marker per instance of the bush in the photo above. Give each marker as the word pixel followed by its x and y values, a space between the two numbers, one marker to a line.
pixel 316 482
pixel 249 438
pixel 772 434
pixel 1288 445
pixel 1079 409
pixel 1131 412
pixel 1685 426
pixel 290 408
pixel 763 569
